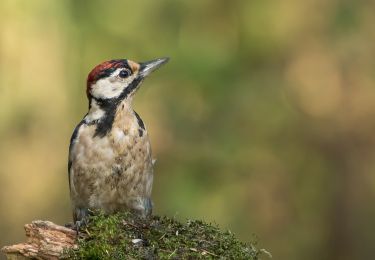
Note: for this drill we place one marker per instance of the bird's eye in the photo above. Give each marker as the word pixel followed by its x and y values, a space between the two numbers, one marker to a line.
pixel 124 74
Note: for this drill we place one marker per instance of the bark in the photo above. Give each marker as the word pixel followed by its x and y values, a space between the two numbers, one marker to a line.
pixel 45 240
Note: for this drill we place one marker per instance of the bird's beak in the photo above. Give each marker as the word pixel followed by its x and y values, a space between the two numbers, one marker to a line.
pixel 149 66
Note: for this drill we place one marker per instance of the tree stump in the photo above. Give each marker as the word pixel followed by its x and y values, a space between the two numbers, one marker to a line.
pixel 45 240
pixel 125 235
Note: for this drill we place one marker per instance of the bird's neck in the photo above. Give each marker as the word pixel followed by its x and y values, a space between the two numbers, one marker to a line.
pixel 102 113
pixel 95 112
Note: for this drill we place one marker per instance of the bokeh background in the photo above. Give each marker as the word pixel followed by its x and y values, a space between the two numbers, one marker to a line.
pixel 262 122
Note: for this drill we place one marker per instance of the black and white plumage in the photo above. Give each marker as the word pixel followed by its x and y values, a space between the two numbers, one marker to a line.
pixel 110 162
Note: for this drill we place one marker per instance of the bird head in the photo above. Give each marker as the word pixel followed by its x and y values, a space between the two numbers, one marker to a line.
pixel 119 79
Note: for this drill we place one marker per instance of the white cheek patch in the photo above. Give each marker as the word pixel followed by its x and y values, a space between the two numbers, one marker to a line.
pixel 104 88
pixel 111 86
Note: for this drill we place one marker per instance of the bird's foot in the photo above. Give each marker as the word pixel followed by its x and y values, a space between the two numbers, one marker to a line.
pixel 148 205
pixel 81 217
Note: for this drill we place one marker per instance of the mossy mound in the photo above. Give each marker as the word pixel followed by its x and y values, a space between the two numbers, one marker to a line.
pixel 126 236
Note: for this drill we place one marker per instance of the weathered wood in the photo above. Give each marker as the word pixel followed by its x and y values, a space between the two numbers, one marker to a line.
pixel 45 240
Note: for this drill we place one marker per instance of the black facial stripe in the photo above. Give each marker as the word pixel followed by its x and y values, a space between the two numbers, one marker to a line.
pixel 110 106
pixel 105 124
pixel 129 89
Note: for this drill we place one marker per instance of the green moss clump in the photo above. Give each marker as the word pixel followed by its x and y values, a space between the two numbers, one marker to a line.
pixel 127 236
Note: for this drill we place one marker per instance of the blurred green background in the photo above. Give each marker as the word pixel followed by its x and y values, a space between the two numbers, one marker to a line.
pixel 263 121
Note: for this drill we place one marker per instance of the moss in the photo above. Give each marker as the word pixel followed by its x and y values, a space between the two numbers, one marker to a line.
pixel 126 236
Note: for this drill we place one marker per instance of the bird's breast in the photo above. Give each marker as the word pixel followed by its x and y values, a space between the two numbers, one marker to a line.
pixel 118 164
pixel 123 143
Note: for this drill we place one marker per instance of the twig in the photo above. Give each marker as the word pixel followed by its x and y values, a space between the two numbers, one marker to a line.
pixel 172 253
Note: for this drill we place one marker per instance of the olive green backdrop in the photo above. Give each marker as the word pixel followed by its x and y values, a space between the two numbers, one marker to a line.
pixel 263 121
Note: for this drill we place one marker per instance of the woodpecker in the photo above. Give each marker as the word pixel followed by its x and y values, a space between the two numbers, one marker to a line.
pixel 110 163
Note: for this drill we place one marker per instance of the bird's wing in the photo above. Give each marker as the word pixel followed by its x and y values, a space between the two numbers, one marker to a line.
pixel 72 142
